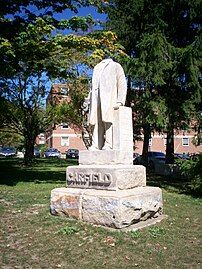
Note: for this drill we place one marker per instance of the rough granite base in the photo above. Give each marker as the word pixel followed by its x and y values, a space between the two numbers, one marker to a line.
pixel 116 209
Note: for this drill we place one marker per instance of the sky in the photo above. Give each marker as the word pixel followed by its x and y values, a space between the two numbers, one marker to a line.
pixel 67 14
pixel 84 11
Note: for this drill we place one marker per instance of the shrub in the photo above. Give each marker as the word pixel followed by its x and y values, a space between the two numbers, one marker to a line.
pixel 192 170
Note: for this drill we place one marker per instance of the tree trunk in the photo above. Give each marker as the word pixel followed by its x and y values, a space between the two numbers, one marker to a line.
pixel 170 146
pixel 147 135
pixel 30 138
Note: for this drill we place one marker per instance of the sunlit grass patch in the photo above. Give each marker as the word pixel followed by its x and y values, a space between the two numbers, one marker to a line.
pixel 32 238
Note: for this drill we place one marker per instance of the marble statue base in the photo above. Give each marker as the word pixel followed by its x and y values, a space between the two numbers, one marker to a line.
pixel 106 188
pixel 106 157
pixel 115 209
pixel 106 177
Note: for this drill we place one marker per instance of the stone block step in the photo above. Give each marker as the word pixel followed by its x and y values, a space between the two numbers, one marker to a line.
pixel 115 209
pixel 110 177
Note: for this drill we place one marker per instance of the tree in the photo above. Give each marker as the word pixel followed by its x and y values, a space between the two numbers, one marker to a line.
pixel 29 61
pixel 8 138
pixel 90 49
pixel 162 41
pixel 71 111
pixel 172 82
pixel 24 12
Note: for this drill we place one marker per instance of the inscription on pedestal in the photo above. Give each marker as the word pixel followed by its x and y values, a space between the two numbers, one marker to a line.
pixel 89 179
pixel 112 177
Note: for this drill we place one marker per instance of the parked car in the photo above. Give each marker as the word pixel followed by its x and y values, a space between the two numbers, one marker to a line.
pixel 183 156
pixel 8 152
pixel 154 158
pixel 52 153
pixel 37 153
pixel 72 154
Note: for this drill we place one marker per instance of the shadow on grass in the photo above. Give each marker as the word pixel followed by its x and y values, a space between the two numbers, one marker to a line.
pixel 12 171
pixel 43 170
pixel 175 184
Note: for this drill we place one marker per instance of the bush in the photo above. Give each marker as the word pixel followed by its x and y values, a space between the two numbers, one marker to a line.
pixel 192 170
pixel 42 149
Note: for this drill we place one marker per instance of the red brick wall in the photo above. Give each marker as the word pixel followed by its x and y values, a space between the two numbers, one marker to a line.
pixel 54 139
pixel 158 144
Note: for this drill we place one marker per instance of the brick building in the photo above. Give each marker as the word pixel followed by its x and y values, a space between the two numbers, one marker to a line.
pixel 62 136
pixel 41 139
pixel 183 143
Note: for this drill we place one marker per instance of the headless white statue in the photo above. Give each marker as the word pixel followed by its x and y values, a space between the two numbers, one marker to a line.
pixel 108 92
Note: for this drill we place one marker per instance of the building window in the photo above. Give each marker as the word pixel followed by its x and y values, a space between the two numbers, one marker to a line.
pixel 64 91
pixel 185 141
pixel 64 141
pixel 64 126
pixel 150 142
pixel 41 135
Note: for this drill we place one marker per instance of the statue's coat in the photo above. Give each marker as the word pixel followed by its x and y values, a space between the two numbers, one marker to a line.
pixel 109 87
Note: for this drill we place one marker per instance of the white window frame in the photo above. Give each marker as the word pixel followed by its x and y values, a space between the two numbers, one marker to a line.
pixel 150 142
pixel 64 141
pixel 185 144
pixel 62 89
pixel 64 124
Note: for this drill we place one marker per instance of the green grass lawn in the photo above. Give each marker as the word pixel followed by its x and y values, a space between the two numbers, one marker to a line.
pixel 30 237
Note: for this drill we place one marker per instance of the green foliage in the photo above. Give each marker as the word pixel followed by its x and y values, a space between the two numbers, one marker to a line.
pixel 192 171
pixel 152 66
pixel 42 149
pixel 25 11
pixel 162 40
pixel 36 53
pixel 76 23
pixel 25 192
pixel 9 138
pixel 156 231
pixel 72 112
pixel 135 234
pixel 69 230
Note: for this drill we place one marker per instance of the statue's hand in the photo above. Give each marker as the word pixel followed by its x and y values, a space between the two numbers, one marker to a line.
pixel 117 106
pixel 85 106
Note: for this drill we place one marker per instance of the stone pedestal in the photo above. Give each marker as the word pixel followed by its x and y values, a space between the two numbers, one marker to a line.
pixel 106 177
pixel 106 188
pixel 116 209
pixel 107 157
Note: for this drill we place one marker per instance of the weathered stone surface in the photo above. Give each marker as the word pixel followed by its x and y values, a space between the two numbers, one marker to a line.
pixel 123 129
pixel 140 225
pixel 106 189
pixel 99 157
pixel 123 208
pixel 108 92
pixel 66 203
pixel 111 177
pixel 135 176
pixel 116 209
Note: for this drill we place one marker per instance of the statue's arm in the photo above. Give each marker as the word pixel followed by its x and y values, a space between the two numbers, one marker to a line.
pixel 121 87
